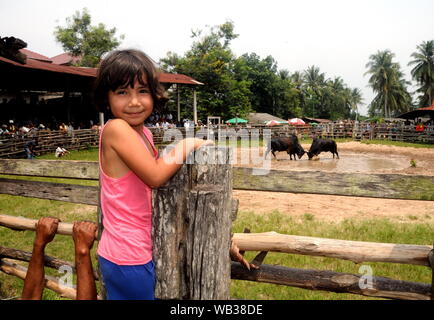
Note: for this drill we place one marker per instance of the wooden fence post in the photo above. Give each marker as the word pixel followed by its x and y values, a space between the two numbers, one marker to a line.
pixel 431 263
pixel 191 228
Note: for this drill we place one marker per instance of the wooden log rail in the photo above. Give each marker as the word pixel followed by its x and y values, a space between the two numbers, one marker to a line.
pixel 356 251
pixel 9 267
pixel 391 186
pixel 379 287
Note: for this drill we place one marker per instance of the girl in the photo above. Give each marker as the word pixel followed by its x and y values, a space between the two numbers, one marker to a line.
pixel 127 87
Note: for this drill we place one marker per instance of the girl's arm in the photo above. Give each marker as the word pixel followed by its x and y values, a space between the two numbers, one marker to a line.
pixel 122 139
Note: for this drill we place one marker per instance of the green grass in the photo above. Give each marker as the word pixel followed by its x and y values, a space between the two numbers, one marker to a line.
pixel 398 143
pixel 90 154
pixel 378 230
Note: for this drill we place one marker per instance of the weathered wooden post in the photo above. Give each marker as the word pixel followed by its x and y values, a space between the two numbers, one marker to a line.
pixel 191 228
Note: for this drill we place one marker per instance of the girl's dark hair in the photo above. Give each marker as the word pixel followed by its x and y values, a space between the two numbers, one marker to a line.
pixel 122 68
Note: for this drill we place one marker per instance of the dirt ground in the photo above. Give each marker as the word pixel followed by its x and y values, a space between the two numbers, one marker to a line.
pixel 337 208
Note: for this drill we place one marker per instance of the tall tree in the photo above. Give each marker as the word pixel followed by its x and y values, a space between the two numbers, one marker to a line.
pixel 387 81
pixel 211 61
pixel 356 98
pixel 81 39
pixel 314 84
pixel 423 72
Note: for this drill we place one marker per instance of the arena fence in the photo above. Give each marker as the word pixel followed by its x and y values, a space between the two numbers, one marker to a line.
pixel 196 207
pixel 48 141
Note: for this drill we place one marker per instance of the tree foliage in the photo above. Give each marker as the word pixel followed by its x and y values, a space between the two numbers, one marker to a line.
pixel 423 72
pixel 81 39
pixel 234 86
pixel 387 81
pixel 211 61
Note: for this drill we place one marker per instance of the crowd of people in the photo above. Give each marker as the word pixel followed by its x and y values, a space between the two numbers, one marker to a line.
pixel 13 128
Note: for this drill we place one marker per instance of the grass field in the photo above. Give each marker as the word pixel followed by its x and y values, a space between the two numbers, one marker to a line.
pixel 369 230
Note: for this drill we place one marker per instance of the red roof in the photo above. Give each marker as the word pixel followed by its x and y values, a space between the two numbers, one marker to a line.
pixel 35 56
pixel 36 64
pixel 33 63
pixel 64 58
pixel 428 108
pixel 177 78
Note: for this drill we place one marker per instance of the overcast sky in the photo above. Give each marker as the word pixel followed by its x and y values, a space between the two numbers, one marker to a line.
pixel 338 36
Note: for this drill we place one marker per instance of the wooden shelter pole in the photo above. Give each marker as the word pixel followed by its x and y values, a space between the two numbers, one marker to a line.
pixel 195 107
pixel 178 102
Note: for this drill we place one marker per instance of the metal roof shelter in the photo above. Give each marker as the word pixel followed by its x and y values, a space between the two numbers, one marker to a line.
pixel 261 118
pixel 419 113
pixel 40 73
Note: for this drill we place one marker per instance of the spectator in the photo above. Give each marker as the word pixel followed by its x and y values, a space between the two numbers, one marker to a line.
pixel 420 127
pixel 29 149
pixel 60 152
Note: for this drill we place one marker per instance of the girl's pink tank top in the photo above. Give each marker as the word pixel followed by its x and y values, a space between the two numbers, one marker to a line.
pixel 126 205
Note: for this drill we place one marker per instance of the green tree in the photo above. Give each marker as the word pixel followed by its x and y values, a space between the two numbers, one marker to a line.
pixel 211 61
pixel 387 81
pixel 423 72
pixel 81 39
pixel 261 73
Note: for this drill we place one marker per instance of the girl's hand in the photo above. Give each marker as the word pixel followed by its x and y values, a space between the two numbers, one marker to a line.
pixel 200 142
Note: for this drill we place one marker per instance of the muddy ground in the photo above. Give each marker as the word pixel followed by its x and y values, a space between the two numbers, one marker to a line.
pixel 354 157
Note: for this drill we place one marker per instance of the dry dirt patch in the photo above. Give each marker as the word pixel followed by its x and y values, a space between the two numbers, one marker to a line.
pixel 337 208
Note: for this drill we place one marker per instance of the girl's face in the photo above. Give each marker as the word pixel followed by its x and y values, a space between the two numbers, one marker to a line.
pixel 134 105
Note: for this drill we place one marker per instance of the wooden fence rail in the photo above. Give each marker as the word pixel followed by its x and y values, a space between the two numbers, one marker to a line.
pixel 392 186
pixel 357 251
pixel 379 287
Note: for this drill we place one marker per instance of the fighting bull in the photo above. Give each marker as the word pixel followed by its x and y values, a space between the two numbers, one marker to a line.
pixel 322 145
pixel 289 144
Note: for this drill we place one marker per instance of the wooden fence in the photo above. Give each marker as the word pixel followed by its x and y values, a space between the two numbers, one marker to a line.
pixel 48 141
pixel 208 197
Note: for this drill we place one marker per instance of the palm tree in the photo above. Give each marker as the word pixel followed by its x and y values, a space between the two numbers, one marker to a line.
pixel 314 78
pixel 423 71
pixel 388 82
pixel 314 84
pixel 356 98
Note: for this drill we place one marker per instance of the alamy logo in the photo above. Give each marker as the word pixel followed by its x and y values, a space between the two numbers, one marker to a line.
pixel 242 147
pixel 67 279
pixel 366 280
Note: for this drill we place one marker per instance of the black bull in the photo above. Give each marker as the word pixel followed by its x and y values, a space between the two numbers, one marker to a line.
pixel 322 145
pixel 288 144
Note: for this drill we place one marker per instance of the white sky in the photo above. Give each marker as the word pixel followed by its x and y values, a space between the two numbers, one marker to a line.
pixel 338 36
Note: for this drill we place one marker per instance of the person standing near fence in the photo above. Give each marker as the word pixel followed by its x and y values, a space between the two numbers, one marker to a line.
pixel 29 149
pixel 127 88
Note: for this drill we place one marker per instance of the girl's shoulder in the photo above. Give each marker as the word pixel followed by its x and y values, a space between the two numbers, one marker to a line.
pixel 116 125
pixel 117 130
